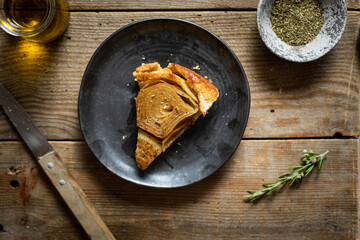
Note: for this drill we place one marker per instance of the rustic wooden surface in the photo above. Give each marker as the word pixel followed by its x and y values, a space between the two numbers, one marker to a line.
pixel 317 99
pixel 323 207
pixel 173 5
pixel 310 106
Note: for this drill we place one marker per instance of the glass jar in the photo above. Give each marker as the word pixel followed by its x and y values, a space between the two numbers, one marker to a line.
pixel 34 20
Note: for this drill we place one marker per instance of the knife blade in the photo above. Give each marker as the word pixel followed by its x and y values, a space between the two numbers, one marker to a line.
pixel 33 138
pixel 55 169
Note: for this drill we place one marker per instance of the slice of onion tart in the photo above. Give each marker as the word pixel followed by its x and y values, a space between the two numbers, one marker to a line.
pixel 169 101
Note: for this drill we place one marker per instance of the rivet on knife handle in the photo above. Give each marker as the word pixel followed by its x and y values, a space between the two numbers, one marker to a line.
pixel 74 197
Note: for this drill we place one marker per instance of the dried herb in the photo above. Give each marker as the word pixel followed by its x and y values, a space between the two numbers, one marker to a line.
pixel 309 161
pixel 296 22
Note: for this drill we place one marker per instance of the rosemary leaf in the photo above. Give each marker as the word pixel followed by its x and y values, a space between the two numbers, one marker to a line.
pixel 309 170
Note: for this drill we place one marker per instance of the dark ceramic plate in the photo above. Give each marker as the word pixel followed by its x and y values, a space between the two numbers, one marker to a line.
pixel 107 106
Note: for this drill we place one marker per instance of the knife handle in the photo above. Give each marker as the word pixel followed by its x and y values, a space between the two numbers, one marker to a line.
pixel 74 197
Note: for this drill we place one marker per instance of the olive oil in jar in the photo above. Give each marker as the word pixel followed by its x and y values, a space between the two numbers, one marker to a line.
pixel 35 20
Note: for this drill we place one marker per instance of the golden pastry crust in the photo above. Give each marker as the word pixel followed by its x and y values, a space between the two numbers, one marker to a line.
pixel 149 67
pixel 206 92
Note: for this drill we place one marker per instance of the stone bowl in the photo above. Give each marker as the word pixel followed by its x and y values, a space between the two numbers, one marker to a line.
pixel 335 16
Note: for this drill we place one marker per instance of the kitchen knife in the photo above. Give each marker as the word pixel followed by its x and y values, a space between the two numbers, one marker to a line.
pixel 54 168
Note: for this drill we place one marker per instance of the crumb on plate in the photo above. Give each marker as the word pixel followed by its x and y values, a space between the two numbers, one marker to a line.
pixel 196 67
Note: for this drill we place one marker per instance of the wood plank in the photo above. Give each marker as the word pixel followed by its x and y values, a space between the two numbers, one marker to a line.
pixel 315 99
pixel 322 207
pixel 173 5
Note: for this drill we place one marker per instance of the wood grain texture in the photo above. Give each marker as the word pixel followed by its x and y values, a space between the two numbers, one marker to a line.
pixel 173 5
pixel 322 207
pixel 74 197
pixel 315 99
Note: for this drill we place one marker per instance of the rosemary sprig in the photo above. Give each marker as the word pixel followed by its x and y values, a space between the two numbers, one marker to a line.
pixel 308 161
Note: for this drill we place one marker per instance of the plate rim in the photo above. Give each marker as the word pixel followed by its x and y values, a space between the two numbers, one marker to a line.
pixel 106 40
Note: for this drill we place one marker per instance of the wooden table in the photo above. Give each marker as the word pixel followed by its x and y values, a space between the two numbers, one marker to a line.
pixel 294 107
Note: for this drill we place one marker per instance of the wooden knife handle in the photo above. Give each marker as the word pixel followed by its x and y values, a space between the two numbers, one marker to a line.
pixel 74 197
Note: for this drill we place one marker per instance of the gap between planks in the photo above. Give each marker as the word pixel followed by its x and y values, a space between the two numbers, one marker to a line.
pixel 243 139
pixel 181 10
